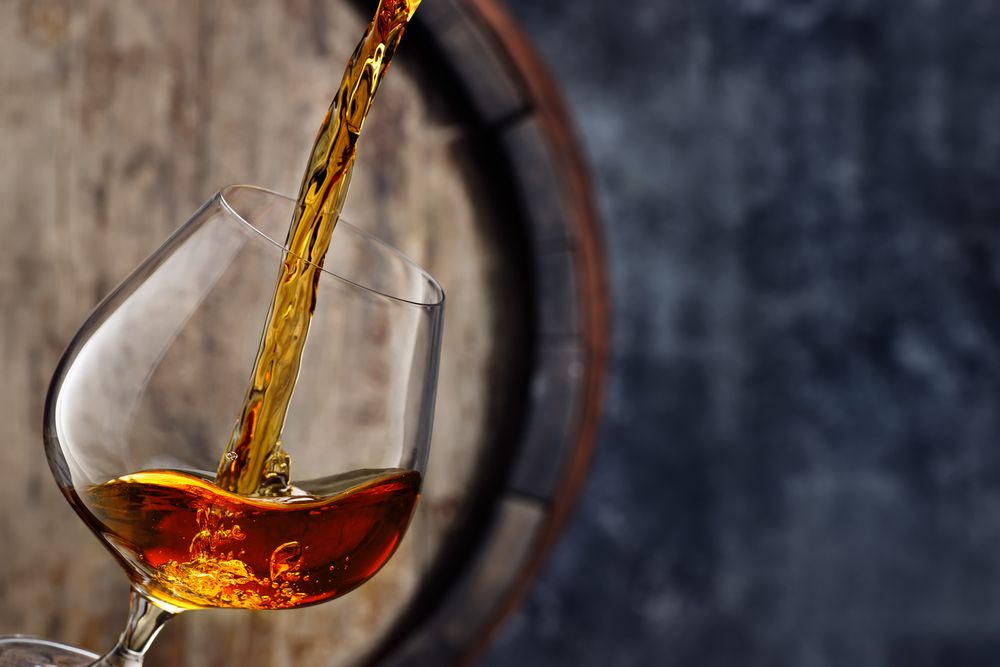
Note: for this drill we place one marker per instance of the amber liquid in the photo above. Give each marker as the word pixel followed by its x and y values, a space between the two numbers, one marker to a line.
pixel 254 462
pixel 192 545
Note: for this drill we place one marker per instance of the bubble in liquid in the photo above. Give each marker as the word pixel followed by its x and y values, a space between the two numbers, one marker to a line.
pixel 286 561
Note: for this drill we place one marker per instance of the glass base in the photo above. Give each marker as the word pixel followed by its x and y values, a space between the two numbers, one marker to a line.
pixel 22 651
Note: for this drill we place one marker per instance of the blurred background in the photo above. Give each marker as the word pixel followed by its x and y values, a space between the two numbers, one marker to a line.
pixel 799 460
pixel 797 464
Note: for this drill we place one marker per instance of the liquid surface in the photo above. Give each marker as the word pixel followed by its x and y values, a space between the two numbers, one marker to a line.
pixel 254 462
pixel 191 544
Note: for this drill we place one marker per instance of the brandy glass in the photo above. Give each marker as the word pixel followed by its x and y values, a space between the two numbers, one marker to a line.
pixel 144 400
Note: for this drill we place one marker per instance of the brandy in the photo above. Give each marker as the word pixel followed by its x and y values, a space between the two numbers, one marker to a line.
pixel 191 544
pixel 254 462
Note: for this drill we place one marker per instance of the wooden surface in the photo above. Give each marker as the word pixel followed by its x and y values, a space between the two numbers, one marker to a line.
pixel 118 120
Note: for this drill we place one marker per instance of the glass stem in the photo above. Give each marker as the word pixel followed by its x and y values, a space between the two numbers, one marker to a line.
pixel 145 620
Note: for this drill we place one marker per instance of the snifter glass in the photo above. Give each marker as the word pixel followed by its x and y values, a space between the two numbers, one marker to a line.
pixel 155 379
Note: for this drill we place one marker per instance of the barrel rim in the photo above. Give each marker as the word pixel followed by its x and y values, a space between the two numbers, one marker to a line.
pixel 517 109
pixel 595 332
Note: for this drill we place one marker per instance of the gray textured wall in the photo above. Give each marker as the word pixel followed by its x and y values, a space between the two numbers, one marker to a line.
pixel 799 462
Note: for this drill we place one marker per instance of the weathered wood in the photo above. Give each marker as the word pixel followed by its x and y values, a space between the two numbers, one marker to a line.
pixel 119 119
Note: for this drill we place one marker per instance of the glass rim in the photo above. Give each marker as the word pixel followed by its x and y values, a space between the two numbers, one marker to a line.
pixel 436 290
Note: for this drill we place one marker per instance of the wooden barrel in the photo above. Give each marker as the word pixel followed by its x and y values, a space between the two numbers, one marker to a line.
pixel 119 119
